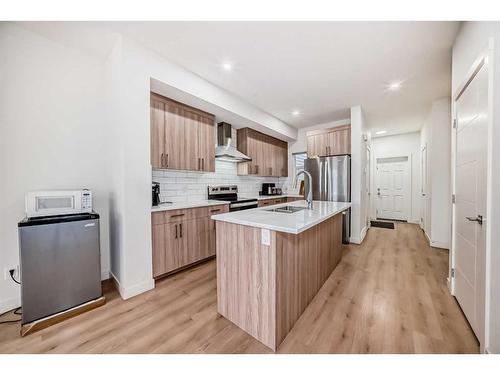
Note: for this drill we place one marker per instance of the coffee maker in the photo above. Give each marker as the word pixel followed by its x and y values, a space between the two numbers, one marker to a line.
pixel 269 188
pixel 155 193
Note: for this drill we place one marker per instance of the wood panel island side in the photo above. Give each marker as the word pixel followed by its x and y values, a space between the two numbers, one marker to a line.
pixel 270 265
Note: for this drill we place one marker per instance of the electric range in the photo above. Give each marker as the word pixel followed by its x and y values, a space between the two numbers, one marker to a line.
pixel 229 193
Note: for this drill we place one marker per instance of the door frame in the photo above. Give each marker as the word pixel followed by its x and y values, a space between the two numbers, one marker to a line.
pixel 486 56
pixel 409 181
pixel 424 191
pixel 368 184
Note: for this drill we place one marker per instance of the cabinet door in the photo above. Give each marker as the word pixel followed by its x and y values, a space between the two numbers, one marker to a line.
pixel 343 141
pixel 339 142
pixel 265 202
pixel 268 156
pixel 316 145
pixel 212 230
pixel 175 147
pixel 282 160
pixel 194 242
pixel 165 248
pixel 191 140
pixel 157 129
pixel 255 150
pixel 207 143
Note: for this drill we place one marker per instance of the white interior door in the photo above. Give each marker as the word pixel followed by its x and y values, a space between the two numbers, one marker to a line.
pixel 469 242
pixel 392 188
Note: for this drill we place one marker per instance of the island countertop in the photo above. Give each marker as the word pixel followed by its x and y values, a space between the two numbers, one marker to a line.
pixel 293 223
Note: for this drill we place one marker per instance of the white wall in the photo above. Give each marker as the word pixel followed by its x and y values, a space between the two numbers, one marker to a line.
pixel 359 193
pixel 473 39
pixel 436 135
pixel 399 145
pixel 51 121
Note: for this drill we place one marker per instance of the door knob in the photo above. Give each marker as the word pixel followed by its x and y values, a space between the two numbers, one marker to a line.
pixel 478 219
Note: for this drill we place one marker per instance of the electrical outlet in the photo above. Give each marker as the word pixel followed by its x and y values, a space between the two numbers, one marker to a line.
pixel 6 273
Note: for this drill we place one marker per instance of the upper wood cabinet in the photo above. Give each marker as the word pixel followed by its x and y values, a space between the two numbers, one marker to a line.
pixel 182 137
pixel 269 155
pixel 328 142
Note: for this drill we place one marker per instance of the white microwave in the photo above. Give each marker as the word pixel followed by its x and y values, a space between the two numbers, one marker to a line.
pixel 58 202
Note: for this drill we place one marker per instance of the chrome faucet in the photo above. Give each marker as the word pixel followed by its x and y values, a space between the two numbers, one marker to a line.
pixel 309 193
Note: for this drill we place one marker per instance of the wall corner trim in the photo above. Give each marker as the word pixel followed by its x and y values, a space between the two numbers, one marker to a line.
pixel 134 290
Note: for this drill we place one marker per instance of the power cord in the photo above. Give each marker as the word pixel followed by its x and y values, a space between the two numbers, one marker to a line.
pixel 12 277
pixel 16 312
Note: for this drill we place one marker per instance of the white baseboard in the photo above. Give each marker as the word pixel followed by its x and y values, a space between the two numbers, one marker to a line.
pixel 359 240
pixel 363 233
pixel 134 290
pixel 105 275
pixel 427 237
pixel 9 304
pixel 440 245
pixel 414 221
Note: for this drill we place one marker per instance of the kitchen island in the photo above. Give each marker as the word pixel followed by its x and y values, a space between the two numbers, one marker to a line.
pixel 271 264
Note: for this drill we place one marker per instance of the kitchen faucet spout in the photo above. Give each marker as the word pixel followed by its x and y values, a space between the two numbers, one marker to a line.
pixel 309 193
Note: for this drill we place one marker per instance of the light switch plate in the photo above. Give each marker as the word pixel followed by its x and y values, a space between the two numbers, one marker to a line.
pixel 265 235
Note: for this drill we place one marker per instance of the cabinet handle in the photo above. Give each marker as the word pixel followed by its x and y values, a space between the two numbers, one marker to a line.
pixel 203 164
pixel 181 229
pixel 161 160
pixel 166 162
pixel 215 210
pixel 176 215
pixel 175 230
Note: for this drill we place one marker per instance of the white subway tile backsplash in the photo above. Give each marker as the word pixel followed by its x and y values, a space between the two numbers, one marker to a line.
pixel 182 186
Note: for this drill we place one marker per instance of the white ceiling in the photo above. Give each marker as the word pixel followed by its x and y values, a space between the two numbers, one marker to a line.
pixel 319 68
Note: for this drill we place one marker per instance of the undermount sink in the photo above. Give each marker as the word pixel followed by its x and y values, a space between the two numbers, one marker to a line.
pixel 287 209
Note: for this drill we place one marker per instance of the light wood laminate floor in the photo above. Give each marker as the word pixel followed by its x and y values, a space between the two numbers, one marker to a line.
pixel 388 295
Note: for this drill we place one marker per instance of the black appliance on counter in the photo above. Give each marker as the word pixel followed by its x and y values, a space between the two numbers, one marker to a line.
pixel 269 188
pixel 229 193
pixel 156 194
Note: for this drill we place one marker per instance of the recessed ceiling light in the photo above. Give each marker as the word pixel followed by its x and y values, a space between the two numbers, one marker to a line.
pixel 380 132
pixel 227 66
pixel 296 112
pixel 395 86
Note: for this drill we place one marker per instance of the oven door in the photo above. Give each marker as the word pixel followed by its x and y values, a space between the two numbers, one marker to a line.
pixel 242 206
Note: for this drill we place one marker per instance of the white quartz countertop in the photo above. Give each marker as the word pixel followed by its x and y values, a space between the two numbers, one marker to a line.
pixel 184 205
pixel 294 223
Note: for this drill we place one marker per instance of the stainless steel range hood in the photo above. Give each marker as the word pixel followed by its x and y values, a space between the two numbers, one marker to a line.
pixel 225 151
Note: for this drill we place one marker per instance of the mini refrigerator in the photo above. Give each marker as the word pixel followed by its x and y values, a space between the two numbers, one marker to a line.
pixel 331 181
pixel 60 264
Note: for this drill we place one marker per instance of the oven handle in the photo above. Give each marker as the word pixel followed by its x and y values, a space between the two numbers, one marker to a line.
pixel 244 204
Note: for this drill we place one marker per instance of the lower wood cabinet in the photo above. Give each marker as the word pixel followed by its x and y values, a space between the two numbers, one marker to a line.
pixel 183 237
pixel 271 201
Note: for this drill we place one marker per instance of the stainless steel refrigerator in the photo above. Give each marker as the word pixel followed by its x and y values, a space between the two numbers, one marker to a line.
pixel 331 181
